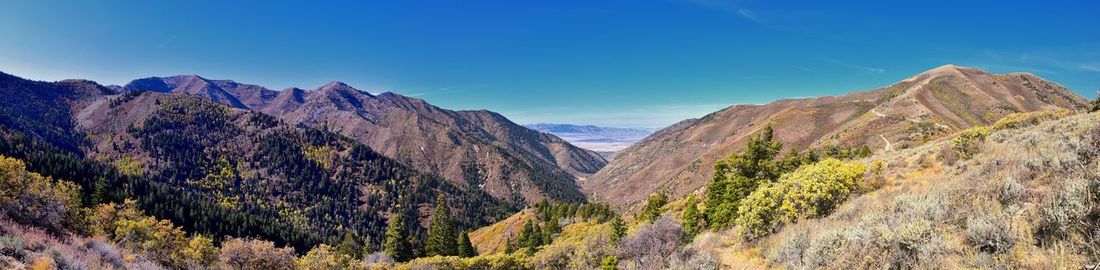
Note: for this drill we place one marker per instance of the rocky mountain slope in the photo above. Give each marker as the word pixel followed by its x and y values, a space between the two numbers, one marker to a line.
pixel 478 148
pixel 219 170
pixel 679 158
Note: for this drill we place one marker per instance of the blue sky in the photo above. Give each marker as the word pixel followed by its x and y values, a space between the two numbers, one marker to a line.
pixel 604 62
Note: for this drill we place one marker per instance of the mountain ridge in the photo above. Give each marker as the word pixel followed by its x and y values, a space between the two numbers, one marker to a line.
pixel 678 159
pixel 467 147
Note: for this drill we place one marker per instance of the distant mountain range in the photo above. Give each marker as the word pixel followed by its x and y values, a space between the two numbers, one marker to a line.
pixel 679 159
pixel 605 140
pixel 470 148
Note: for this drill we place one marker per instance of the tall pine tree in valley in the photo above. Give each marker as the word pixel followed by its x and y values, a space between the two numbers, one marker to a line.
pixel 441 235
pixel 397 242
pixel 465 247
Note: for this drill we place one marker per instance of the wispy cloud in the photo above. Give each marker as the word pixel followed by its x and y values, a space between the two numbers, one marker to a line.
pixel 1063 59
pixel 729 6
pixel 435 91
pixel 866 69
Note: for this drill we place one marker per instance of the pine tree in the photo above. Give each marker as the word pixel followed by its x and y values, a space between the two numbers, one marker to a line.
pixel 441 234
pixel 691 220
pixel 397 243
pixel 739 175
pixel 653 207
pixel 551 228
pixel 465 247
pixel 350 245
pixel 99 192
pixel 530 237
pixel 618 230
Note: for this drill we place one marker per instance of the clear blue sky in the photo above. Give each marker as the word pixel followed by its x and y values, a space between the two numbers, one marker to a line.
pixel 614 63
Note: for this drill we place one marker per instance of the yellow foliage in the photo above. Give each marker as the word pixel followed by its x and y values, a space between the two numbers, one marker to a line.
pixel 201 250
pixel 967 142
pixel 129 166
pixel 323 257
pixel 36 195
pixel 42 263
pixel 1027 119
pixel 812 191
pixel 322 155
pixel 493 261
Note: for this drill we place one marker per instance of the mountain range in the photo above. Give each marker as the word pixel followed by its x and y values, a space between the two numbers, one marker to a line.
pixel 679 159
pixel 469 148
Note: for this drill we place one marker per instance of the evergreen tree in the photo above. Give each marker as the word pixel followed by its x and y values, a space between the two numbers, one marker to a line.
pixel 99 194
pixel 653 207
pixel 441 234
pixel 465 247
pixel 618 230
pixel 530 237
pixel 739 175
pixel 865 151
pixel 791 161
pixel 397 243
pixel 691 220
pixel 509 245
pixel 350 245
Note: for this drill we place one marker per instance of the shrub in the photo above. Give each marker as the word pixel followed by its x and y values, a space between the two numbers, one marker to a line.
pixel 967 142
pixel 609 263
pixel 812 191
pixel 377 258
pixel 791 248
pixel 494 261
pixel 1059 216
pixel 1010 191
pixel 255 254
pixel 989 234
pixel 1027 119
pixel 653 207
pixel 201 252
pixel 36 200
pixel 691 259
pixel 651 244
pixel 325 257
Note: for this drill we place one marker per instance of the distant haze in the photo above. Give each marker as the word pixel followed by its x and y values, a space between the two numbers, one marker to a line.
pixel 600 139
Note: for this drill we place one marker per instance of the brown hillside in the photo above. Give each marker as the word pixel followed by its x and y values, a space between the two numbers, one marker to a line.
pixel 679 159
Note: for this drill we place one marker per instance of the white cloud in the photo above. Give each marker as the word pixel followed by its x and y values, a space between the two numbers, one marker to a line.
pixel 872 70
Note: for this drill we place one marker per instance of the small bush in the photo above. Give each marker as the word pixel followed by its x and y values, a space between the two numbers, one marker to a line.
pixel 255 254
pixel 377 258
pixel 967 142
pixel 791 248
pixel 691 259
pixel 989 234
pixel 1010 191
pixel 1059 216
pixel 652 244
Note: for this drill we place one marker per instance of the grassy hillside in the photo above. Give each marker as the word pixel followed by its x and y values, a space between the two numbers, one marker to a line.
pixel 1026 198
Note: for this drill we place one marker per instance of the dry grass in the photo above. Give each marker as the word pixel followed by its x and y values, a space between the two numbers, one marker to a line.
pixel 23 247
pixel 1026 199
pixel 494 238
